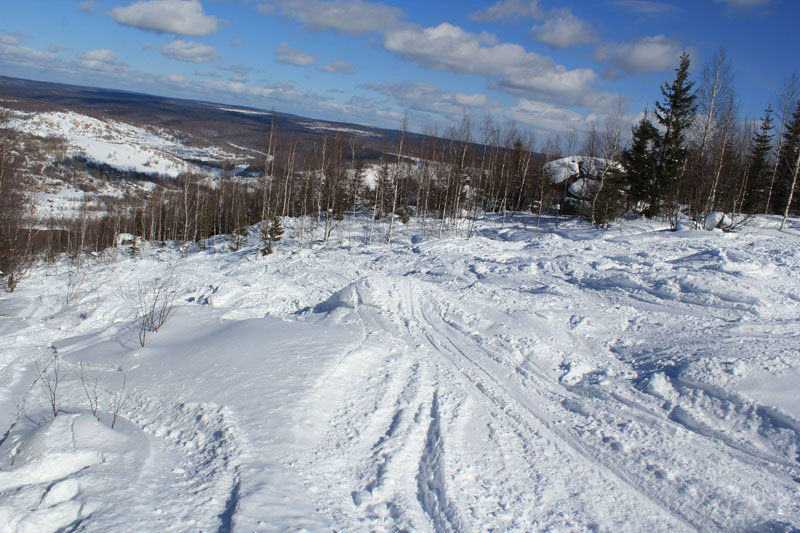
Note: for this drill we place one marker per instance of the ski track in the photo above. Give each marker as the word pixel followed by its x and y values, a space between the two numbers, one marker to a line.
pixel 548 382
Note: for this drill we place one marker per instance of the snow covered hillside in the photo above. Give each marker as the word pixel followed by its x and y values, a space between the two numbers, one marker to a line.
pixel 117 144
pixel 536 376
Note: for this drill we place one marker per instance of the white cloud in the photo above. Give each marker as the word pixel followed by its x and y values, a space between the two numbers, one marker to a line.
pixel 236 69
pixel 189 51
pixel 427 98
pixel 646 7
pixel 339 67
pixel 206 73
pixel 181 17
pixel 507 9
pixel 29 57
pixel 743 4
pixel 354 17
pixel 176 78
pixel 546 117
pixel 86 7
pixel 509 66
pixel 290 56
pixel 561 28
pixel 12 38
pixel 101 60
pixel 648 54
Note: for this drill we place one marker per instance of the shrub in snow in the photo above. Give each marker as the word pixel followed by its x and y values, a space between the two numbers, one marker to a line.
pixel 156 302
pixel 49 377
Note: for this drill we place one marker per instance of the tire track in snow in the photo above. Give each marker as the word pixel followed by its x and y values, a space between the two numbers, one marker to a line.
pixel 431 481
pixel 443 344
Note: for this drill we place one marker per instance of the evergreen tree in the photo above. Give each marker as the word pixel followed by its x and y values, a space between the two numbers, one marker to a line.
pixel 675 114
pixel 789 163
pixel 275 229
pixel 273 232
pixel 639 162
pixel 760 168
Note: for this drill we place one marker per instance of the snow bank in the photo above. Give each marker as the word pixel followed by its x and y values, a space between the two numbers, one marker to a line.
pixel 56 474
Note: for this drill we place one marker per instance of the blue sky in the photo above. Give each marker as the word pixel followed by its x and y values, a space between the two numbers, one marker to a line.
pixel 548 65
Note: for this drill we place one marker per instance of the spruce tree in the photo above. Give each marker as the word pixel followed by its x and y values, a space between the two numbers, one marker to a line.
pixel 789 168
pixel 275 229
pixel 760 168
pixel 675 115
pixel 639 162
pixel 273 232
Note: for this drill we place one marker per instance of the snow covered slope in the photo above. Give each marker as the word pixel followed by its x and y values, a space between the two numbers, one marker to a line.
pixel 117 144
pixel 541 375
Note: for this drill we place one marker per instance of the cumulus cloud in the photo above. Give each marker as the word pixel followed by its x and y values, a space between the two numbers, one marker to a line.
pixel 101 60
pixel 648 54
pixel 543 116
pixel 189 51
pixel 354 17
pixel 561 28
pixel 181 17
pixel 509 66
pixel 290 56
pixel 427 98
pixel 507 9
pixel 339 67
pixel 29 57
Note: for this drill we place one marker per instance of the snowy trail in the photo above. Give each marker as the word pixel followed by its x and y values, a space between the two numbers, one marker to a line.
pixel 524 379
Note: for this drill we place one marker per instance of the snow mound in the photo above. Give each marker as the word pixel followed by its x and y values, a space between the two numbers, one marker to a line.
pixel 49 473
pixel 371 291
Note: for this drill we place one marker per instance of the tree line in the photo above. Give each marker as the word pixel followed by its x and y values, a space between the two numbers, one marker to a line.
pixel 690 156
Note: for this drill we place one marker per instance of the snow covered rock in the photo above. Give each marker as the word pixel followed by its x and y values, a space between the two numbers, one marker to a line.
pixel 565 168
pixel 717 220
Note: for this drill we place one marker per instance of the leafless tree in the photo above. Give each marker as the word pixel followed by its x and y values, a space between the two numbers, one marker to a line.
pixel 90 389
pixel 119 399
pixel 49 377
pixel 156 302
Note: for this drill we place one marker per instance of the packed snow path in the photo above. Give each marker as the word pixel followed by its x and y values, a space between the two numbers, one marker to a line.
pixel 524 379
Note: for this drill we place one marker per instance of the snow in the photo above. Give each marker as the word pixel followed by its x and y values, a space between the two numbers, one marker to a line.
pixel 243 111
pixel 117 144
pixel 562 169
pixel 542 375
pixel 324 126
pixel 716 220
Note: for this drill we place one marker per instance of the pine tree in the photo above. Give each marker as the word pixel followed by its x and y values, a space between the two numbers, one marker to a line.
pixel 275 229
pixel 790 162
pixel 639 162
pixel 273 232
pixel 760 168
pixel 675 114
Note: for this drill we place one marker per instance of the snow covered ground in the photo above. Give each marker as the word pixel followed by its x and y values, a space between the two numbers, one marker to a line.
pixel 551 377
